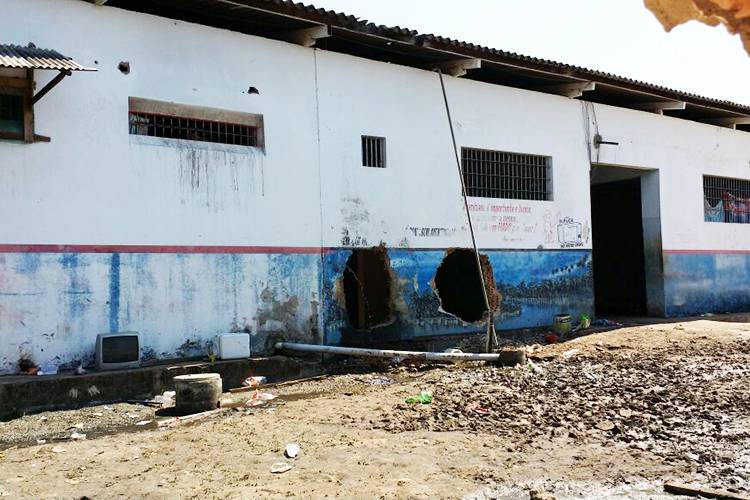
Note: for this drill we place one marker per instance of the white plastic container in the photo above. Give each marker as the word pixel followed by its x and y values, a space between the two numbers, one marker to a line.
pixel 233 345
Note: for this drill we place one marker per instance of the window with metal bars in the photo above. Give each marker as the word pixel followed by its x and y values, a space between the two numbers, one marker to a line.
pixel 726 200
pixel 373 151
pixel 192 129
pixel 499 174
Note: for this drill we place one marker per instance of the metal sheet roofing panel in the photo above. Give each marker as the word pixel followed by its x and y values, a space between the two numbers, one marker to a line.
pixel 31 57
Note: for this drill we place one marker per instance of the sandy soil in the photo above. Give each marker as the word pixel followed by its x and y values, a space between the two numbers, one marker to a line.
pixel 609 415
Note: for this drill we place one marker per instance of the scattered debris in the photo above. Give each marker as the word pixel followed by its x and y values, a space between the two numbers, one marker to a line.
pixel 698 491
pixel 291 450
pixel 166 399
pixel 254 381
pixel 475 407
pixel 551 338
pixel 605 322
pixel 379 381
pixel 260 398
pixel 280 467
pixel 534 367
pixel 424 397
pixel 540 495
pixel 190 418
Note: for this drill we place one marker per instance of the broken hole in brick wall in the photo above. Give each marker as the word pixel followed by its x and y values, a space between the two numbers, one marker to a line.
pixel 368 286
pixel 459 288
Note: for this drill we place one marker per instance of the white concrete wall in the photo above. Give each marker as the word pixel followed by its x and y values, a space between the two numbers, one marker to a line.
pixel 94 184
pixel 682 151
pixel 420 190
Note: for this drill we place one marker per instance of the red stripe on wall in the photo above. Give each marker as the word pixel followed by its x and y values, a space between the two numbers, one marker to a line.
pixel 18 248
pixel 706 252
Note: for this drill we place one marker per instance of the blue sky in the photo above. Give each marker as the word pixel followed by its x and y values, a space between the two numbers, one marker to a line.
pixel 618 36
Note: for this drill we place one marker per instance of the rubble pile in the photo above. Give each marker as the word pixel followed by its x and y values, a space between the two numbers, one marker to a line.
pixel 687 405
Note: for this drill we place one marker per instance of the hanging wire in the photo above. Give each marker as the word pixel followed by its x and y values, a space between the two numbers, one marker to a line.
pixel 491 335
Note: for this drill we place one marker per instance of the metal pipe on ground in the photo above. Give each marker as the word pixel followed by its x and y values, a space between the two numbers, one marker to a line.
pixel 510 357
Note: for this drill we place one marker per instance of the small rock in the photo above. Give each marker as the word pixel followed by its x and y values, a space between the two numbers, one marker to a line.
pixel 605 425
pixel 77 436
pixel 540 495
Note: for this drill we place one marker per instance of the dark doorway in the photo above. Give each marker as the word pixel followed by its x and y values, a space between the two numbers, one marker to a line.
pixel 367 288
pixel 619 264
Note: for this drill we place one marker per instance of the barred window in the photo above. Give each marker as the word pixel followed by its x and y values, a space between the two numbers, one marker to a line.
pixel 499 174
pixel 373 151
pixel 726 200
pixel 193 123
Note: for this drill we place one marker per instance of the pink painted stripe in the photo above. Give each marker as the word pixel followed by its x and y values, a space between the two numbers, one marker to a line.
pixel 22 248
pixel 706 252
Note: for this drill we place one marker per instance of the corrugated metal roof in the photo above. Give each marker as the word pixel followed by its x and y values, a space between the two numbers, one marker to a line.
pixel 30 57
pixel 424 46
pixel 479 51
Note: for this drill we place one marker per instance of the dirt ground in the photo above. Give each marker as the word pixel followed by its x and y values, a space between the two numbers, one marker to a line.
pixel 608 415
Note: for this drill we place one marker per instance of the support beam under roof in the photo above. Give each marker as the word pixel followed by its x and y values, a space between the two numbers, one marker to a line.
pixel 730 122
pixel 307 36
pixel 459 67
pixel 659 106
pixel 571 90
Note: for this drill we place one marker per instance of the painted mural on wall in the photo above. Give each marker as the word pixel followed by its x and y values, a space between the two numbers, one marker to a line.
pixel 530 224
pixel 535 285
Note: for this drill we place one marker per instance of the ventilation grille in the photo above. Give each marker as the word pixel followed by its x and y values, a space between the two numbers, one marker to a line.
pixel 498 174
pixel 191 129
pixel 373 151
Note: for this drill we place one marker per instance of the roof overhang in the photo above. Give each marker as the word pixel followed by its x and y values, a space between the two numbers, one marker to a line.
pixel 312 27
pixel 32 57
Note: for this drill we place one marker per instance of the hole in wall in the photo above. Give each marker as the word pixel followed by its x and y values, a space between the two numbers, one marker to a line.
pixel 368 288
pixel 124 67
pixel 457 284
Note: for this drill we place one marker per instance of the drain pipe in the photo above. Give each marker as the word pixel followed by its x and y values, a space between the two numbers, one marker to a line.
pixel 388 354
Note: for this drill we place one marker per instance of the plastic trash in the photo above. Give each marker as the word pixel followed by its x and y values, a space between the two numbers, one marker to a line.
pixel 380 381
pixel 260 398
pixel 47 369
pixel 605 322
pixel 476 408
pixel 254 381
pixel 424 397
pixel 291 450
pixel 280 467
pixel 77 436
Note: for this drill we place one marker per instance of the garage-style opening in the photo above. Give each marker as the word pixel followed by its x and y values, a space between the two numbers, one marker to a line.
pixel 458 285
pixel 626 241
pixel 368 288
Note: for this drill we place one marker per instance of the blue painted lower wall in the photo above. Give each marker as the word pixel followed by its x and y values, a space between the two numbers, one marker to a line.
pixel 535 285
pixel 696 283
pixel 52 305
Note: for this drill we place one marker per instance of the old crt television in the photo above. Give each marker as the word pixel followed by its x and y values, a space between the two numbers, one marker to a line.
pixel 119 350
